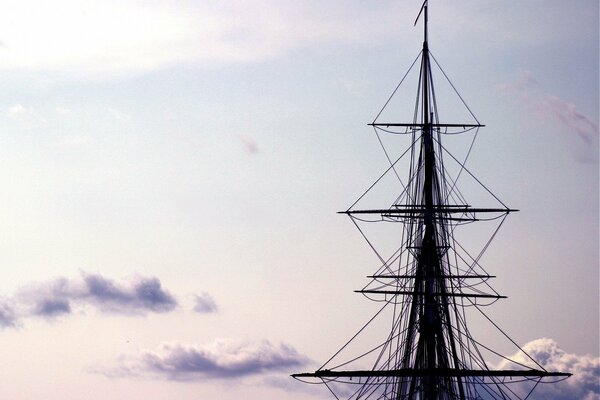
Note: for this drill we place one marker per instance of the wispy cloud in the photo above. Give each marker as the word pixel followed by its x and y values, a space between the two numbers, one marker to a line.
pixel 62 296
pixel 204 304
pixel 529 93
pixel 585 369
pixel 223 359
pixel 567 114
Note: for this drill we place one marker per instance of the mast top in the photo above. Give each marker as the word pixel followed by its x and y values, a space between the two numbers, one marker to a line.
pixel 423 11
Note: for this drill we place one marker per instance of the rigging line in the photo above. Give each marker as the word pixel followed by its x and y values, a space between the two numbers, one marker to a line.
pixel 472 264
pixel 478 358
pixel 389 344
pixel 387 264
pixel 396 324
pixel 397 87
pixel 451 84
pixel 332 392
pixel 473 176
pixel 435 115
pixel 368 221
pixel 389 159
pixel 467 347
pixel 384 344
pixel 491 392
pixel 355 335
pixel 445 132
pixel 403 236
pixel 383 262
pixel 458 304
pixel 475 261
pixel 483 250
pixel 500 384
pixel 463 163
pixel 453 192
pixel 558 379
pixel 496 353
pixel 412 173
pixel 382 175
pixel 406 190
pixel 406 131
pixel 506 336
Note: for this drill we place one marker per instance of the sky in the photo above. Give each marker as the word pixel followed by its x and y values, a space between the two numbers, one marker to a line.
pixel 170 174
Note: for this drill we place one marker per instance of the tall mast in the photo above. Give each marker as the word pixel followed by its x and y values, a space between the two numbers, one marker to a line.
pixel 429 354
pixel 436 339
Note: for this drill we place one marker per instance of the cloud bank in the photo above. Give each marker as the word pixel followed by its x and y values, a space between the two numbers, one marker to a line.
pixel 61 296
pixel 583 385
pixel 222 359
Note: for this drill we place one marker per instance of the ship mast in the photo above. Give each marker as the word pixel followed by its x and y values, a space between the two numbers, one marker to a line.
pixel 428 344
pixel 433 342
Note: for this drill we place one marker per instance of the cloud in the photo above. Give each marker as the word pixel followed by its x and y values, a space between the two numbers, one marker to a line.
pixel 47 299
pixel 26 116
pixel 585 369
pixel 139 296
pixel 96 38
pixel 567 115
pixel 249 144
pixel 51 308
pixel 205 304
pixel 72 37
pixel 528 92
pixel 222 359
pixel 61 296
pixel 8 315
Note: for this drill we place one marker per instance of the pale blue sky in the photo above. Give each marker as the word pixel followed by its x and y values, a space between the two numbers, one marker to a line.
pixel 208 145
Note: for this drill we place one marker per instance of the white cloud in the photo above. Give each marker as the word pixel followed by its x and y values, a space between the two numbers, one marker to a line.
pixel 97 38
pixel 584 384
pixel 93 36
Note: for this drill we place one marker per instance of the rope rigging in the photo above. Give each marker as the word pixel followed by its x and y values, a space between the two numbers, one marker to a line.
pixel 427 280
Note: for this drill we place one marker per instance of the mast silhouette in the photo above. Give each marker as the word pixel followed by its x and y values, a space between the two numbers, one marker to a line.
pixel 429 353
